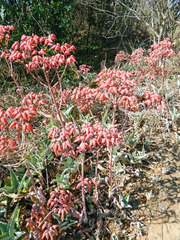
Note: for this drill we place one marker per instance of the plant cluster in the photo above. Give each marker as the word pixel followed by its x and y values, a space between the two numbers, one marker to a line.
pixel 75 132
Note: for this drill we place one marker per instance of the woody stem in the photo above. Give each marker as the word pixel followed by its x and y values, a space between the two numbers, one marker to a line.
pixel 83 195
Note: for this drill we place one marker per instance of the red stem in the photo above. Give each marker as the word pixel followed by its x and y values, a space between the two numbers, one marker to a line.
pixel 13 77
pixel 96 171
pixel 111 150
pixel 53 98
pixel 110 166
pixel 83 195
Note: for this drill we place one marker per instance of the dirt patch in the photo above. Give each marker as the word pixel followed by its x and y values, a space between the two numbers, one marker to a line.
pixel 164 210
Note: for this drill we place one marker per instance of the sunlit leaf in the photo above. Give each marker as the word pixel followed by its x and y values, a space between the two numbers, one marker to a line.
pixel 13 222
pixel 104 118
pixel 3 227
pixel 3 212
pixel 5 236
pixel 14 179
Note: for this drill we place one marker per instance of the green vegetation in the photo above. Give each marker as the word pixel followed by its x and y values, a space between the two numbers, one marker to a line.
pixel 75 145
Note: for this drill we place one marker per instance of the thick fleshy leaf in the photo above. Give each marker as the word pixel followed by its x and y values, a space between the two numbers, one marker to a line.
pixel 14 179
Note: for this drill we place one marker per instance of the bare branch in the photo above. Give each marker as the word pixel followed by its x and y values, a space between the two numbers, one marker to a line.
pixel 170 15
pixel 130 9
pixel 155 15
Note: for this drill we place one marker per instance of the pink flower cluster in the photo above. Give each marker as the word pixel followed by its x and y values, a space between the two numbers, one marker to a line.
pixel 40 229
pixel 121 56
pixel 5 32
pixel 120 84
pixel 152 67
pixel 7 144
pixel 84 69
pixel 111 83
pixel 129 102
pixel 86 182
pixel 94 135
pixel 90 136
pixel 61 202
pixel 137 56
pixel 161 50
pixel 63 96
pixel 61 138
pixel 19 115
pixel 35 50
pixel 116 82
pixel 151 98
pixel 18 119
pixel 34 99
pixel 84 97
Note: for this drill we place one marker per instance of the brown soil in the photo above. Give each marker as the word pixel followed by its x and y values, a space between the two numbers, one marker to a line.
pixel 163 211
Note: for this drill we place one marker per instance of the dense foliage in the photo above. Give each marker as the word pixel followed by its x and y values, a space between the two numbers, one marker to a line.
pixel 77 130
pixel 40 17
pixel 99 29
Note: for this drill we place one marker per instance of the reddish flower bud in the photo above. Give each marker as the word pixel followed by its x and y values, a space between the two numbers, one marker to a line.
pixel 4 121
pixel 12 125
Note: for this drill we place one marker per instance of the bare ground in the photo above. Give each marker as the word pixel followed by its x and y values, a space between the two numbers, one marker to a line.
pixel 163 210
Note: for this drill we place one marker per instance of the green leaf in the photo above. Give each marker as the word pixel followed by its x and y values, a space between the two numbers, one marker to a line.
pixel 70 164
pixel 76 123
pixel 51 123
pixel 124 200
pixel 13 222
pixel 63 178
pixel 67 113
pixel 63 225
pixel 14 183
pixel 104 118
pixel 92 81
pixel 7 189
pixel 82 117
pixel 115 150
pixel 3 227
pixel 14 179
pixel 2 12
pixel 131 138
pixel 22 183
pixel 14 236
pixel 119 168
pixel 3 212
pixel 5 236
pixel 18 235
pixel 35 163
